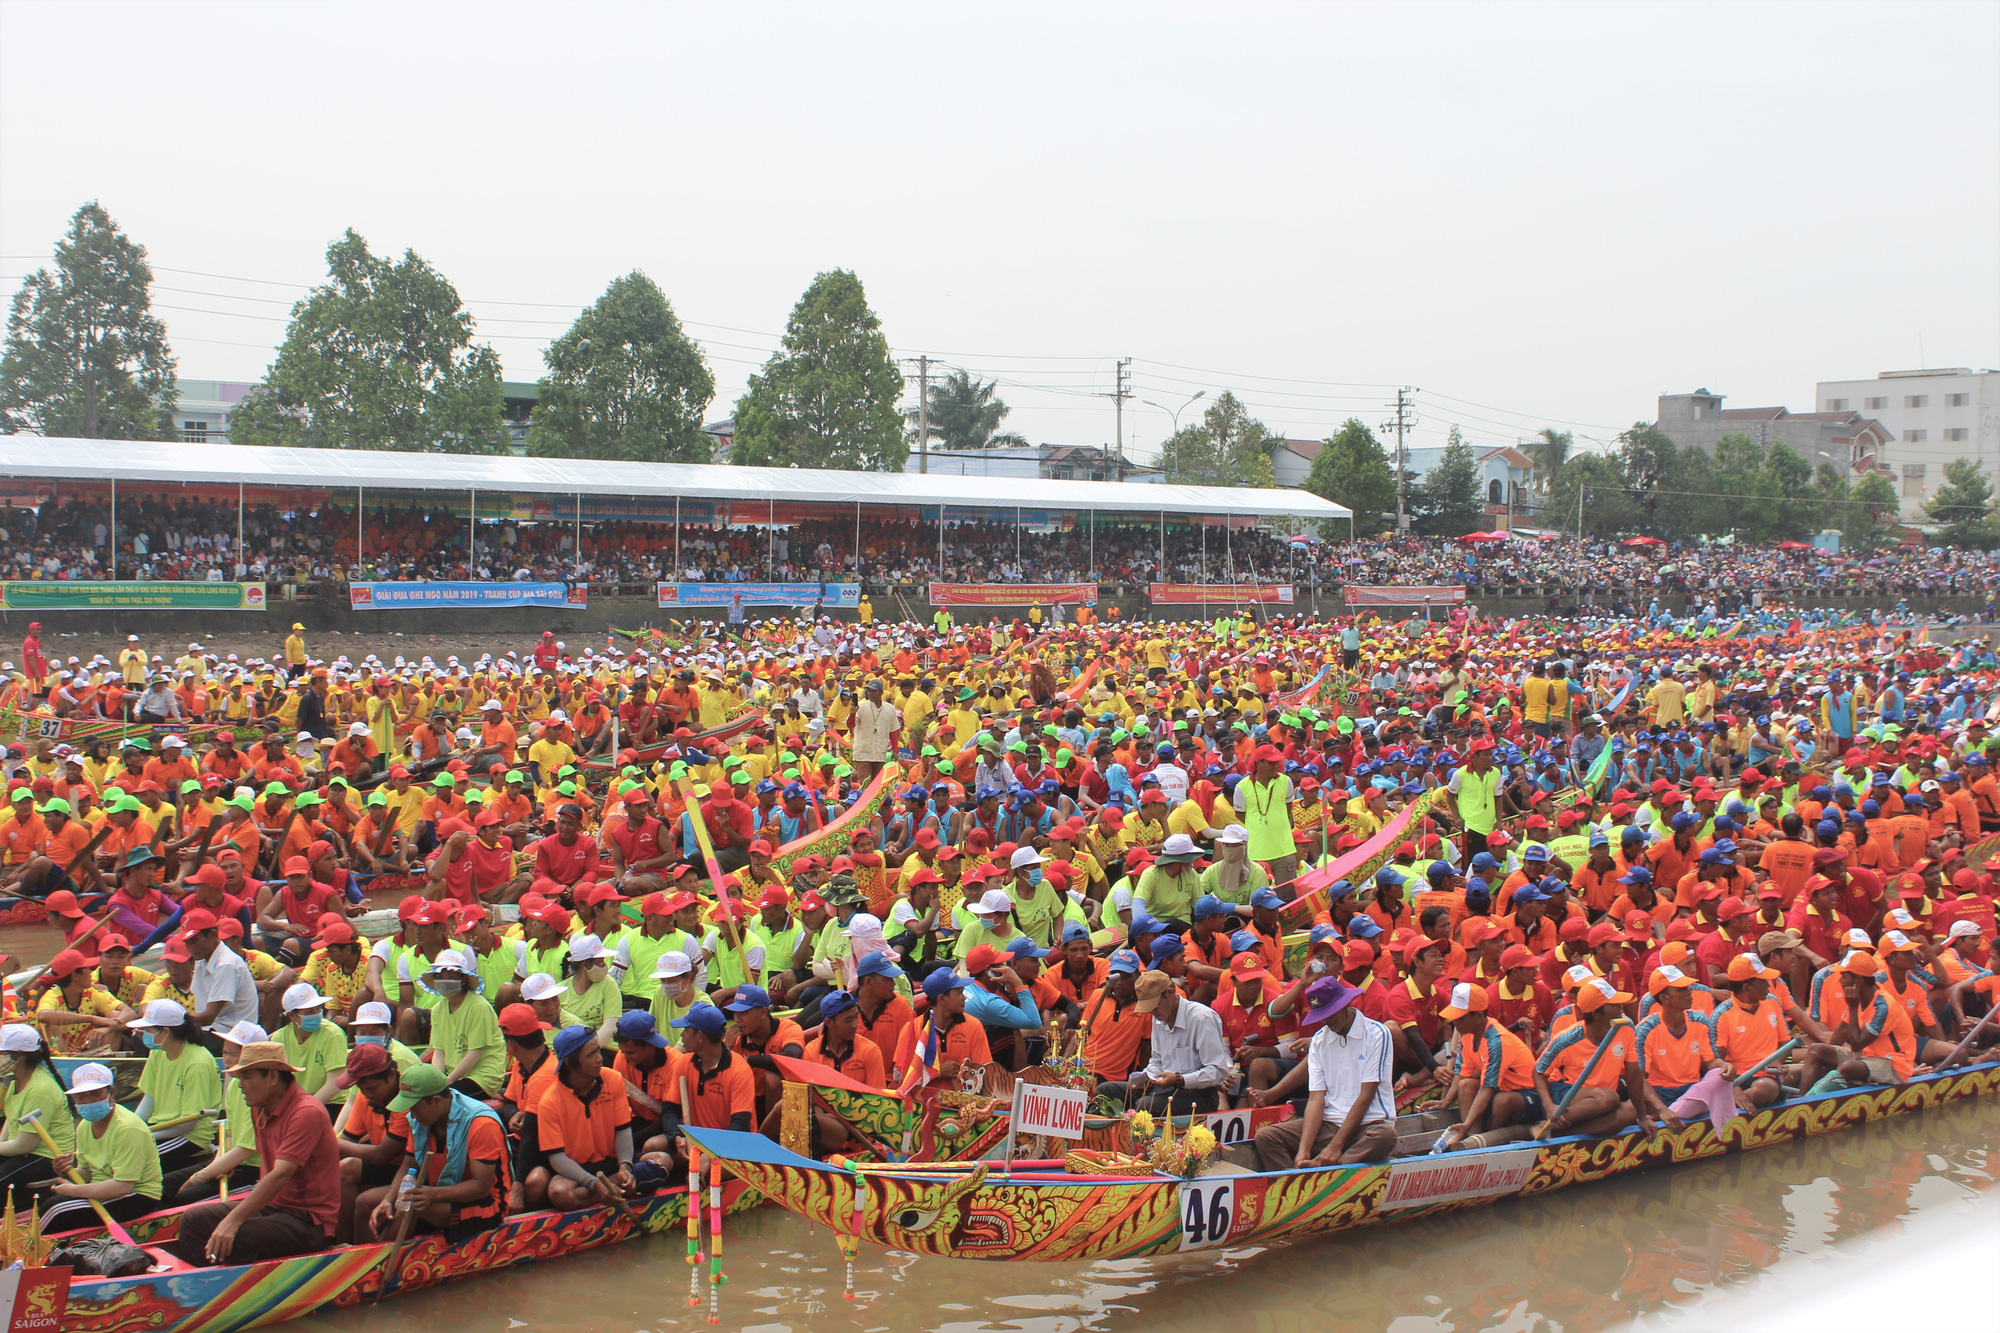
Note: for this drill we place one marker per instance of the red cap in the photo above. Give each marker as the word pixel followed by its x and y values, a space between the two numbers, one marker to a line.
pixel 518 1020
pixel 1515 955
pixel 775 896
pixel 66 962
pixel 1357 953
pixel 197 919
pixel 982 957
pixel 63 903
pixel 298 865
pixel 365 1061
pixel 337 932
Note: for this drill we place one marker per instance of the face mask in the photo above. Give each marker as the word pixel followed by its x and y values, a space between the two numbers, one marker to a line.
pixel 1034 874
pixel 93 1111
pixel 309 1023
pixel 366 1040
pixel 151 1040
pixel 447 988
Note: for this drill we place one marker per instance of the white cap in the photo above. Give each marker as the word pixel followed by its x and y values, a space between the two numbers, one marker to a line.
pixel 995 903
pixel 862 923
pixel 89 1078
pixel 306 736
pixel 584 948
pixel 1178 844
pixel 1959 930
pixel 452 960
pixel 1024 856
pixel 373 1012
pixel 490 703
pixel 19 1037
pixel 161 1014
pixel 357 728
pixel 673 963
pixel 1857 938
pixel 542 986
pixel 245 1033
pixel 173 743
pixel 1232 834
pixel 557 715
pixel 301 995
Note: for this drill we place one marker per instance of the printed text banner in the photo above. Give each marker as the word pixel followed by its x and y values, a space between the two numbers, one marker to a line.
pixel 1217 594
pixel 420 596
pixel 1012 594
pixel 1397 595
pixel 87 595
pixel 759 594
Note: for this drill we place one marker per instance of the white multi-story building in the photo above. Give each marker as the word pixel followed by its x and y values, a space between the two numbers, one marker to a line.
pixel 1934 416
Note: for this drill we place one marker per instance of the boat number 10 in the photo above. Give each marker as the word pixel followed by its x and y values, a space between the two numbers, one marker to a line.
pixel 1208 1210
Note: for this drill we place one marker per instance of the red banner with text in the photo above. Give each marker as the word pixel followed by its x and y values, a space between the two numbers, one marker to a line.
pixel 1217 594
pixel 1399 595
pixel 1013 594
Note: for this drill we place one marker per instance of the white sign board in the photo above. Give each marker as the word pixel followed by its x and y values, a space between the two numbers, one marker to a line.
pixel 1056 1112
pixel 1416 1182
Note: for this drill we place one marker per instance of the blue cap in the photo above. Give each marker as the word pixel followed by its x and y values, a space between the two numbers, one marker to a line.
pixel 1857 817
pixel 1438 870
pixel 1639 875
pixel 1166 947
pixel 1871 809
pixel 1551 886
pixel 754 997
pixel 878 964
pixel 1684 820
pixel 1632 833
pixel 1364 928
pixel 1267 898
pixel 1209 905
pixel 1165 752
pixel 1485 861
pixel 703 1018
pixel 916 792
pixel 1714 857
pixel 1122 960
pixel 765 785
pixel 1339 888
pixel 1323 932
pixel 793 789
pixel 1245 941
pixel 637 1025
pixel 1385 877
pixel 1724 824
pixel 943 979
pixel 1529 893
pixel 1827 828
pixel 1075 930
pixel 1597 838
pixel 1475 887
pixel 834 1003
pixel 1020 947
pixel 1144 923
pixel 571 1040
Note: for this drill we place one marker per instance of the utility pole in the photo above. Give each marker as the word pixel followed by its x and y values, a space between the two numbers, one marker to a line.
pixel 1118 397
pixel 1404 422
pixel 923 414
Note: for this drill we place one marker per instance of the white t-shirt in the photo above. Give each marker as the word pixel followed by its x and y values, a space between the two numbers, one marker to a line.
pixel 226 977
pixel 1338 1066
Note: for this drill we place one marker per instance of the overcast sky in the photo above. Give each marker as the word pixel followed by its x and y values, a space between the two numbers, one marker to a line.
pixel 1533 214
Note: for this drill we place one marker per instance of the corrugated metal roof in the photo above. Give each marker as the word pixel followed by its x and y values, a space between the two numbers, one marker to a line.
pixel 227 464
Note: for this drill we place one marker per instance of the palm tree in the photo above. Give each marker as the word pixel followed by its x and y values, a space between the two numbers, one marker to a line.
pixel 964 414
pixel 1550 452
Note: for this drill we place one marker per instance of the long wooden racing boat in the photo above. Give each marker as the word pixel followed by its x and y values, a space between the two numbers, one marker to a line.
pixel 977 1211
pixel 174 1298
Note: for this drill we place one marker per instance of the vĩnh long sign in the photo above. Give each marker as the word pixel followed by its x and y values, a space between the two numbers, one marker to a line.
pixel 1355 594
pixel 760 594
pixel 137 595
pixel 428 596
pixel 1012 594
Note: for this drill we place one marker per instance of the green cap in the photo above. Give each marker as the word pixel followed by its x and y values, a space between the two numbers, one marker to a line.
pixel 844 771
pixel 124 800
pixel 276 789
pixel 444 780
pixel 418 1082
pixel 56 805
pixel 566 788
pixel 517 777
pixel 242 800
pixel 475 796
pixel 191 785
pixel 136 743
pixel 336 781
pixel 378 797
pixel 307 798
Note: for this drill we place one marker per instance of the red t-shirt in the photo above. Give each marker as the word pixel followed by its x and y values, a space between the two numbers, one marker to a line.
pixel 565 865
pixel 297 1129
pixel 636 844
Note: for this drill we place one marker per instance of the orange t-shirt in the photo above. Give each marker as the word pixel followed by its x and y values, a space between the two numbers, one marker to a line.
pixel 1672 1061
pixel 587 1133
pixel 728 1090
pixel 485 1141
pixel 863 1064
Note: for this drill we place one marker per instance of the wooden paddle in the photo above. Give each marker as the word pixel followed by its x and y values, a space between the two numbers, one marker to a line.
pixel 1958 1051
pixel 1541 1131
pixel 392 1272
pixel 714 868
pixel 34 1119
pixel 1744 1079
pixel 611 1189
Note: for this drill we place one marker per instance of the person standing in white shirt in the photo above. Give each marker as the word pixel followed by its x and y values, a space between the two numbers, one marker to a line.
pixel 1350 1108
pixel 225 993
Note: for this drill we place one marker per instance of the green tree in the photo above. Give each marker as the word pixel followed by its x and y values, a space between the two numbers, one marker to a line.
pixel 1550 451
pixel 1870 512
pixel 85 355
pixel 1448 502
pixel 1790 479
pixel 625 382
pixel 1590 489
pixel 828 397
pixel 1963 506
pixel 1352 469
pixel 965 414
pixel 379 357
pixel 1650 461
pixel 1228 447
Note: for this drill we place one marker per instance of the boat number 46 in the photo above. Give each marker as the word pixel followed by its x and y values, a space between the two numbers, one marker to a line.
pixel 1216 1210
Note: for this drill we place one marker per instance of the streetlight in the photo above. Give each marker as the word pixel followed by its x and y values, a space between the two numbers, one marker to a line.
pixel 1175 412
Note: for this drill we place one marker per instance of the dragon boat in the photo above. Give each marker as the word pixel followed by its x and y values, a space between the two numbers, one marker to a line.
pixel 983 1210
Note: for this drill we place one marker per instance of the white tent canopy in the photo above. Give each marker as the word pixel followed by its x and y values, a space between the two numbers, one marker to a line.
pixel 228 464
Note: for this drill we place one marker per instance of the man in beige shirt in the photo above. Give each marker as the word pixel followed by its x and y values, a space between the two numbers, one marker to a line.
pixel 875 724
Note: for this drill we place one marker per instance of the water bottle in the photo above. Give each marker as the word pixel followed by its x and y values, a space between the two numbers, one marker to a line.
pixel 403 1194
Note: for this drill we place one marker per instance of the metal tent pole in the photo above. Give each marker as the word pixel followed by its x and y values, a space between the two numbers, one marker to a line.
pixel 677 539
pixel 771 539
pixel 114 529
pixel 239 526
pixel 578 562
pixel 472 535
pixel 360 503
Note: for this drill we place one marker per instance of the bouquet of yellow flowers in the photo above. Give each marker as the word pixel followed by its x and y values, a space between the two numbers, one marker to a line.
pixel 1183 1157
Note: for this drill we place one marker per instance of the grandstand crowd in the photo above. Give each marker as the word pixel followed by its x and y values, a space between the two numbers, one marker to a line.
pixel 197 540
